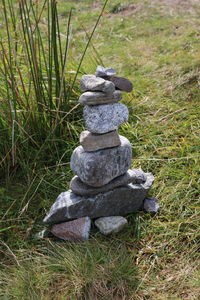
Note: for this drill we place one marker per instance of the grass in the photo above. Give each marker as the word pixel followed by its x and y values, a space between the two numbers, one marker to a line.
pixel 156 45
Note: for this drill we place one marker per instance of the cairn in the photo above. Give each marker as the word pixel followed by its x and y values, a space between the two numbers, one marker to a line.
pixel 104 188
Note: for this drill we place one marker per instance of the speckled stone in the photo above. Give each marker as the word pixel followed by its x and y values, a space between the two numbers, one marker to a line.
pixel 76 230
pixel 98 98
pixel 100 167
pixel 118 202
pixel 131 176
pixel 93 83
pixel 105 118
pixel 94 141
pixel 109 225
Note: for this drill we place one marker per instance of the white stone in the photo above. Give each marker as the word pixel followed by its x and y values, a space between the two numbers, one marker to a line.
pixel 109 225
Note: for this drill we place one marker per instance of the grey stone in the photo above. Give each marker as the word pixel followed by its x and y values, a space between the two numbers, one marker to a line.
pixel 131 176
pixel 105 118
pixel 118 202
pixel 97 98
pixel 122 83
pixel 93 83
pixel 76 230
pixel 100 167
pixel 109 225
pixel 151 205
pixel 101 71
pixel 94 141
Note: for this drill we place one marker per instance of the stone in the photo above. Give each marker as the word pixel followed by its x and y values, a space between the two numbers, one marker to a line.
pixel 105 118
pixel 122 83
pixel 151 205
pixel 93 83
pixel 109 225
pixel 97 168
pixel 118 202
pixel 131 176
pixel 94 141
pixel 97 98
pixel 101 71
pixel 76 230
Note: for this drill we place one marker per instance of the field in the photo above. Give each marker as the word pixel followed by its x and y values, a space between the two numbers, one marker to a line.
pixel 156 44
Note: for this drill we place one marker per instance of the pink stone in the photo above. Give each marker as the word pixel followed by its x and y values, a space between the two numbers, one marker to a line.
pixel 76 230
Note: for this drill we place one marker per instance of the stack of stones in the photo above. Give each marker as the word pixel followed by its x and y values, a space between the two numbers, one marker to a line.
pixel 104 188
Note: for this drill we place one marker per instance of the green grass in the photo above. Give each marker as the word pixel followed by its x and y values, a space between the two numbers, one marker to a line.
pixel 156 45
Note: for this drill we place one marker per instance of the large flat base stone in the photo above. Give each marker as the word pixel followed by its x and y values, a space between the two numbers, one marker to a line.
pixel 120 201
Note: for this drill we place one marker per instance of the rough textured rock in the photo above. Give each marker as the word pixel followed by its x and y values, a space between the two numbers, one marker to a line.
pixel 97 98
pixel 76 230
pixel 119 201
pixel 151 205
pixel 100 167
pixel 101 71
pixel 93 83
pixel 94 141
pixel 113 224
pixel 131 176
pixel 105 118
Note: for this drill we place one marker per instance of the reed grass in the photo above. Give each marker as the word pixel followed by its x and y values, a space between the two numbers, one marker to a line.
pixel 38 93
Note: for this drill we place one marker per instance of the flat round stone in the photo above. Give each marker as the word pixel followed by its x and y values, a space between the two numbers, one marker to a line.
pixel 97 98
pixel 105 118
pixel 94 141
pixel 100 167
pixel 131 176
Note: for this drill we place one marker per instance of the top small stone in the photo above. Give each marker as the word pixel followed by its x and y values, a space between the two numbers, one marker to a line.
pixel 101 71
pixel 121 83
pixel 93 83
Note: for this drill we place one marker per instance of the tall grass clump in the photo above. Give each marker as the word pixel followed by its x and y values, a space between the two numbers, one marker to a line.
pixel 38 114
